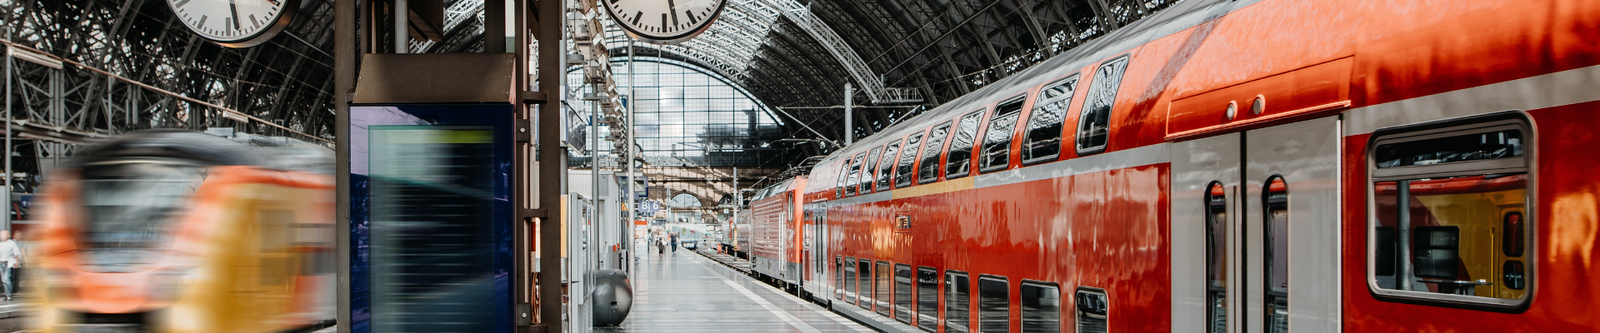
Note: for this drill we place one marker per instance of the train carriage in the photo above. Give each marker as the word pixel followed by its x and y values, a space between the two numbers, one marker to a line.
pixel 778 231
pixel 1242 166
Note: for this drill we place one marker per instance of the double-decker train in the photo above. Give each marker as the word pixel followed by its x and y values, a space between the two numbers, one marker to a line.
pixel 175 231
pixel 1242 167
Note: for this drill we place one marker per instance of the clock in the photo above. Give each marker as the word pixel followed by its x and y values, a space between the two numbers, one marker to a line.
pixel 235 23
pixel 664 21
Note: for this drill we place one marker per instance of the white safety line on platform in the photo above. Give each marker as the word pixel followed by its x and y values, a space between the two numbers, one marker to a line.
pixel 834 316
pixel 795 322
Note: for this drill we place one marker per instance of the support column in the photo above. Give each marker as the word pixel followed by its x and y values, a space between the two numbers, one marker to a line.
pixel 345 37
pixel 849 116
pixel 552 155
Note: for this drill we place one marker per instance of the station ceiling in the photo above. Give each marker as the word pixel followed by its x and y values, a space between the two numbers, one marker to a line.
pixel 902 56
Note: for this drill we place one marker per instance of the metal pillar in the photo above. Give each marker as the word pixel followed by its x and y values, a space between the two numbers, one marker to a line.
pixel 402 34
pixel 345 39
pixel 552 155
pixel 633 197
pixel 8 136
pixel 849 116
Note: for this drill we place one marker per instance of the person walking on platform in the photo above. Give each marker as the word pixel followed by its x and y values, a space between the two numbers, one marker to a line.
pixel 10 256
pixel 674 237
pixel 661 248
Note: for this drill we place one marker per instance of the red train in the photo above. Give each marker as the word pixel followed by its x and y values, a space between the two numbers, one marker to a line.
pixel 1239 166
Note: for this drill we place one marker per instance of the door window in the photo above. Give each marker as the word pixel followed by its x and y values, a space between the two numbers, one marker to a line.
pixel 1275 200
pixel 1216 208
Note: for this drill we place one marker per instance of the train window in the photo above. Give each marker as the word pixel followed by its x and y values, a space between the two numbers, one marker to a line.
pixel 958 162
pixel 1042 143
pixel 997 143
pixel 1041 307
pixel 882 282
pixel 864 285
pixel 1449 203
pixel 867 169
pixel 927 299
pixel 994 304
pixel 1276 256
pixel 1093 309
pixel 855 174
pixel 928 172
pixel 886 168
pixel 849 280
pixel 1094 122
pixel 903 173
pixel 955 302
pixel 902 292
pixel 838 278
pixel 1216 207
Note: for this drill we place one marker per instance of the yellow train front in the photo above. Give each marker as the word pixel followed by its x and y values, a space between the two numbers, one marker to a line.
pixel 169 231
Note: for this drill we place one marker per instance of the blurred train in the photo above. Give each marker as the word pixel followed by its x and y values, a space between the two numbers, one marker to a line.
pixel 1239 167
pixel 173 231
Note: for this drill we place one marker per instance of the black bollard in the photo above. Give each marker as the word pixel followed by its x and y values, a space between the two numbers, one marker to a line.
pixel 613 296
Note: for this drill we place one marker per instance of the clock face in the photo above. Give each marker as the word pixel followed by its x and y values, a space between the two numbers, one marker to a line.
pixel 664 21
pixel 235 23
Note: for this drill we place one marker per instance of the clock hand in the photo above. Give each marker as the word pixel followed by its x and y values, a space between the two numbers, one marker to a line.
pixel 234 8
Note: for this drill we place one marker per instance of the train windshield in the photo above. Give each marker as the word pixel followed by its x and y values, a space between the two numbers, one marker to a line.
pixel 129 207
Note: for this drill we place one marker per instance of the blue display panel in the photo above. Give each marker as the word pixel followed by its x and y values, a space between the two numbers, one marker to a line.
pixel 431 218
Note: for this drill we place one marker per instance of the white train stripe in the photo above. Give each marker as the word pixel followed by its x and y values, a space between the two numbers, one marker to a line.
pixel 1544 91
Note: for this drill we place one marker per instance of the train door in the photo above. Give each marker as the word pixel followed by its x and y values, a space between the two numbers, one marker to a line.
pixel 816 263
pixel 1255 230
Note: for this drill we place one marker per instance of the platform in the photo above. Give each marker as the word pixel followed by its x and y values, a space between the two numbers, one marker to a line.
pixel 687 292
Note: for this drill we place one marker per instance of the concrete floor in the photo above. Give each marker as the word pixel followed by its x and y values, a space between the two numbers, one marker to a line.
pixel 686 292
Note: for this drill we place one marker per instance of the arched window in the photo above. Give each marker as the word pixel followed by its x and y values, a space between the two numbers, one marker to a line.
pixel 684 200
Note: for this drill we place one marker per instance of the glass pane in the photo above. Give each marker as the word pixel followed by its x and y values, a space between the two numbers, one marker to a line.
pixel 867 170
pixel 929 171
pixel 1216 206
pixel 849 280
pixel 902 292
pixel 997 143
pixel 838 278
pixel 1469 147
pixel 1094 122
pixel 903 174
pixel 1447 234
pixel 886 168
pixel 865 285
pixel 1277 254
pixel 927 299
pixel 958 162
pixel 955 302
pixel 881 293
pixel 1043 140
pixel 855 174
pixel 1041 308
pixel 994 306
